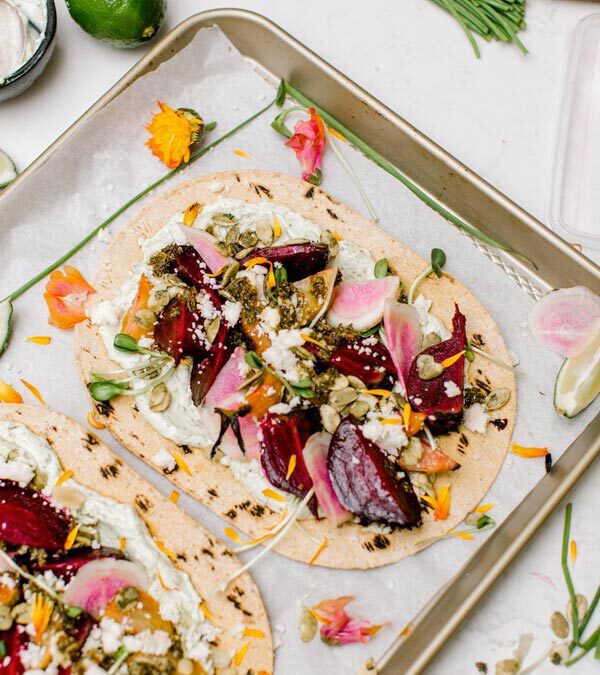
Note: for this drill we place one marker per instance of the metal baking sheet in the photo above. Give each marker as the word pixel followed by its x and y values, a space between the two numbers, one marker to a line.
pixel 439 174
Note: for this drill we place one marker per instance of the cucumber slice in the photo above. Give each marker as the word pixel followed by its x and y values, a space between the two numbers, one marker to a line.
pixel 8 171
pixel 578 380
pixel 6 312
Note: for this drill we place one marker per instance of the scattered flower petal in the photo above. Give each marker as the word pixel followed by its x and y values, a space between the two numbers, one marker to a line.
pixel 173 132
pixel 232 534
pixel 271 494
pixel 240 654
pixel 338 628
pixel 528 452
pixel 241 153
pixel 40 615
pixel 182 464
pixel 34 390
pixel 440 503
pixel 291 466
pixel 484 508
pixel 66 293
pixel 324 544
pixel 254 633
pixel 122 544
pixel 70 540
pixel 336 134
pixel 174 497
pixel 573 551
pixel 207 614
pixel 64 477
pixel 308 142
pixel 165 550
pixel 8 394
pixel 461 535
pixel 451 360
pixel 39 339
pixel 191 213
pixel 161 581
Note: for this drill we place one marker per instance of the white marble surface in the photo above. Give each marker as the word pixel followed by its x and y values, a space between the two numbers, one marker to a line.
pixel 498 115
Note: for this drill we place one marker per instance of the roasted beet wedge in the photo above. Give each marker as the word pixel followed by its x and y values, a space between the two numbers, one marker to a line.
pixel 281 437
pixel 194 271
pixel 179 331
pixel 431 397
pixel 299 260
pixel 365 358
pixel 65 565
pixel 365 482
pixel 28 518
pixel 15 639
pixel 206 369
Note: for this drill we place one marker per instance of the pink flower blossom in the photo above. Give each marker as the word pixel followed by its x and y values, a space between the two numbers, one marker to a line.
pixel 338 628
pixel 308 142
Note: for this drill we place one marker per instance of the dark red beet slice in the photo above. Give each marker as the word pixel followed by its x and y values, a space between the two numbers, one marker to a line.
pixel 365 358
pixel 429 396
pixel 29 518
pixel 66 565
pixel 281 437
pixel 194 271
pixel 365 482
pixel 179 331
pixel 14 640
pixel 205 371
pixel 299 260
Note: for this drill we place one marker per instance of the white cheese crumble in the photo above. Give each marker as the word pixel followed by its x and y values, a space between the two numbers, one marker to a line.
pixel 389 437
pixel 164 460
pixel 475 418
pixel 451 389
pixel 429 322
pixel 279 356
pixel 231 312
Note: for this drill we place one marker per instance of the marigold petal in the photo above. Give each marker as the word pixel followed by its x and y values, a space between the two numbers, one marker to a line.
pixel 324 544
pixel 241 153
pixel 34 390
pixel 39 339
pixel 254 633
pixel 63 478
pixel 484 508
pixel 8 394
pixel 573 551
pixel 528 453
pixel 451 360
pixel 70 540
pixel 291 466
pixel 240 654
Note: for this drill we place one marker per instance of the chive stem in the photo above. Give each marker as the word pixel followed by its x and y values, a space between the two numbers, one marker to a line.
pixel 567 573
pixel 69 254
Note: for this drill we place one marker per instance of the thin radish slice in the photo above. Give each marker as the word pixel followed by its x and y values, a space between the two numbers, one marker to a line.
pixel 206 245
pixel 333 267
pixel 315 458
pixel 563 320
pixel 360 304
pixel 402 328
pixel 97 583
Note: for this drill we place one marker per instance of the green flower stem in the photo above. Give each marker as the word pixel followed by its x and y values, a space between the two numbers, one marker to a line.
pixel 586 647
pixel 424 274
pixel 567 573
pixel 69 254
pixel 387 166
pixel 588 615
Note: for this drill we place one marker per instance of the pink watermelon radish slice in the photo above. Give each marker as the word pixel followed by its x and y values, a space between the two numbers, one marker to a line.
pixel 315 459
pixel 403 335
pixel 562 320
pixel 97 583
pixel 360 304
pixel 224 394
pixel 206 245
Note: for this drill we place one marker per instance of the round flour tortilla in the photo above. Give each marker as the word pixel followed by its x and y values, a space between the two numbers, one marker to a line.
pixel 207 562
pixel 351 546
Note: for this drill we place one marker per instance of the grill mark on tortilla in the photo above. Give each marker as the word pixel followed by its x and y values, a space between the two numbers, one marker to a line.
pixel 500 423
pixel 333 214
pixel 212 492
pixel 478 340
pixel 232 513
pixel 244 505
pixel 258 510
pixel 262 190
pixel 104 408
pixel 186 449
pixel 208 552
pixel 142 503
pixel 90 439
pixel 110 471
pixel 310 193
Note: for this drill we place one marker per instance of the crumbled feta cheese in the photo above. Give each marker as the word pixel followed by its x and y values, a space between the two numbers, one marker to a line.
pixel 164 460
pixel 279 356
pixel 270 317
pixel 475 418
pixel 103 314
pixel 111 635
pixel 146 342
pixel 389 437
pixel 231 312
pixel 280 408
pixel 206 307
pixel 20 471
pixel 451 389
pixel 148 642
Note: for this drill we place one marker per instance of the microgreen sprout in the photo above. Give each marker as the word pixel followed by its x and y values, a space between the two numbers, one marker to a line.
pixel 381 268
pixel 438 260
pixel 253 361
pixel 125 343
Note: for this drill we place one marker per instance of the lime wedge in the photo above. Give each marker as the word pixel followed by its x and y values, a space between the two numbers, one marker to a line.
pixel 8 172
pixel 578 380
pixel 6 310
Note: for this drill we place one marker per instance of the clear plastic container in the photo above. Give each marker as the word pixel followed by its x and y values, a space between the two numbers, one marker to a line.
pixel 574 204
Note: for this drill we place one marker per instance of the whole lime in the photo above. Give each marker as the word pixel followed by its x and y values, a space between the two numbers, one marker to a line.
pixel 121 23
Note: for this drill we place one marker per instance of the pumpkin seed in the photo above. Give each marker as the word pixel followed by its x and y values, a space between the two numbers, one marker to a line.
pixel 240 255
pixel 559 653
pixel 160 398
pixel 6 619
pixel 431 339
pixel 158 299
pixel 508 667
pixel 248 238
pixel 303 353
pixel 223 248
pixel 127 597
pixel 232 236
pixel 227 295
pixel 356 382
pixel 497 398
pixel 224 219
pixel 343 397
pixel 145 318
pixel 582 606
pixel 428 367
pixel 413 452
pixel 559 625
pixel 340 382
pixel 359 408
pixel 21 613
pixel 264 231
pixel 330 418
pixel 230 273
pixel 307 625
pixel 211 326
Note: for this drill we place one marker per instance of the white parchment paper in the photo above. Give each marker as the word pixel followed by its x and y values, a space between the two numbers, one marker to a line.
pixel 105 163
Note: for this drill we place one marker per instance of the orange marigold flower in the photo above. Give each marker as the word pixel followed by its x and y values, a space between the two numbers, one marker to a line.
pixel 8 394
pixel 66 293
pixel 173 132
pixel 441 503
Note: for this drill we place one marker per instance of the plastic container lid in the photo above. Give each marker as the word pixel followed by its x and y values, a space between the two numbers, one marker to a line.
pixel 574 205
